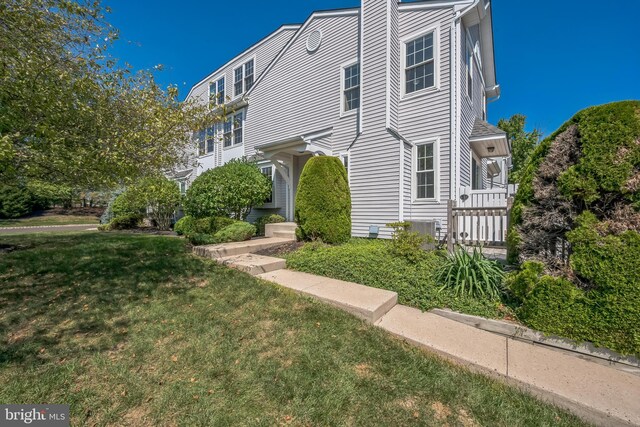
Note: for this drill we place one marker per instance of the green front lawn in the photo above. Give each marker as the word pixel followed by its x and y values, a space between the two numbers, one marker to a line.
pixel 370 262
pixel 132 329
pixel 49 220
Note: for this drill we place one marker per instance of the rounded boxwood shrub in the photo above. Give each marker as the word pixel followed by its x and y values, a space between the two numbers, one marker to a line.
pixel 323 201
pixel 230 190
pixel 236 232
pixel 267 219
pixel 185 226
pixel 125 222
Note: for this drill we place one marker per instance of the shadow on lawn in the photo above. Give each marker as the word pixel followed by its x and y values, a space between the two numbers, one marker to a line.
pixel 69 294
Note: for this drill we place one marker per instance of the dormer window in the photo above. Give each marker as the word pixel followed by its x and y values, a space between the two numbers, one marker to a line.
pixel 243 78
pixel 420 63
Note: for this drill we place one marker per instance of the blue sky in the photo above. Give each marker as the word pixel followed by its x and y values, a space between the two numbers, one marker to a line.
pixel 553 57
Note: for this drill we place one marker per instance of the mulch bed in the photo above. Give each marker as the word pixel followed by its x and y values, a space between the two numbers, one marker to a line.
pixel 280 250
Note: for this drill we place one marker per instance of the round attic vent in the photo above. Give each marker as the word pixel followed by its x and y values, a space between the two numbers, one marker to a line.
pixel 314 40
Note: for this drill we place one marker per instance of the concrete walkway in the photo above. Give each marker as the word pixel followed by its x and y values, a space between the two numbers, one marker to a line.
pixel 595 392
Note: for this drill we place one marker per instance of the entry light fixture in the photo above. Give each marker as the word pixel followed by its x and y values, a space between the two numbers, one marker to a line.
pixel 491 149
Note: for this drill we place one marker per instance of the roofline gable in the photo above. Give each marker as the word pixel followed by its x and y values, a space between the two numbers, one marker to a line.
pixel 285 27
pixel 312 16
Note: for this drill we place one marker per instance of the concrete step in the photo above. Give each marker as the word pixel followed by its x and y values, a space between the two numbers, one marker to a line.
pixel 252 263
pixel 236 248
pixel 280 227
pixel 285 234
pixel 365 302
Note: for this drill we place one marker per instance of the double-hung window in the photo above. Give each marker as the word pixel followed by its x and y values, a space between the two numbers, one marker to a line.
pixel 216 92
pixel 243 78
pixel 211 138
pixel 425 171
pixel 237 81
pixel 268 172
pixel 199 136
pixel 227 132
pixel 237 128
pixel 248 75
pixel 351 87
pixel 419 63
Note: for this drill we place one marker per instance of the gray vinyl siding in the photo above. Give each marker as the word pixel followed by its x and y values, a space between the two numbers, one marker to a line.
pixel 375 184
pixel 427 116
pixel 301 92
pixel 394 66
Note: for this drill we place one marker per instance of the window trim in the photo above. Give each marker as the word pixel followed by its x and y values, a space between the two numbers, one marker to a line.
pixel 436 170
pixel 346 156
pixel 480 177
pixel 436 62
pixel 274 194
pixel 241 64
pixel 343 67
pixel 234 128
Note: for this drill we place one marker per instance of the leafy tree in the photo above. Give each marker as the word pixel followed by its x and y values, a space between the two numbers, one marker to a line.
pixel 522 143
pixel 15 201
pixel 69 113
pixel 230 190
pixel 46 194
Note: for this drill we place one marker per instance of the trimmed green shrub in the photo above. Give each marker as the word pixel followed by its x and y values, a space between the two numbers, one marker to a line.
pixel 125 222
pixel 199 239
pixel 323 201
pixel 185 226
pixel 267 219
pixel 471 274
pixel 15 201
pixel 230 190
pixel 581 188
pixel 236 232
pixel 406 243
pixel 523 282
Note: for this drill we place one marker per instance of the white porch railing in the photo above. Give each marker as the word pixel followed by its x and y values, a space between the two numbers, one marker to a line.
pixel 481 217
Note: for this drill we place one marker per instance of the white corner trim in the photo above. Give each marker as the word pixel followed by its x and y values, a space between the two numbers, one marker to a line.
pixel 388 68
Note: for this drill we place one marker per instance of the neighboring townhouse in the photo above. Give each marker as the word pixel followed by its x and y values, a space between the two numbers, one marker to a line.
pixel 398 91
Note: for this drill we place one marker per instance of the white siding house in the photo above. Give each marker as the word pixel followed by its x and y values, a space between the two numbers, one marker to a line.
pixel 397 90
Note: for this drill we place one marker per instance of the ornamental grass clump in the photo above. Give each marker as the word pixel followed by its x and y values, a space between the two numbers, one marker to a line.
pixel 471 274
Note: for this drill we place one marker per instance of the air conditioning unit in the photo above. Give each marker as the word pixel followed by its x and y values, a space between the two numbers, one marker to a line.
pixel 427 228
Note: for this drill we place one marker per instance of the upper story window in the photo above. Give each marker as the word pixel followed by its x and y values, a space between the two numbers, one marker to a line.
pixel 419 72
pixel 243 78
pixel 425 171
pixel 216 92
pixel 233 130
pixel 248 75
pixel 469 68
pixel 351 87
